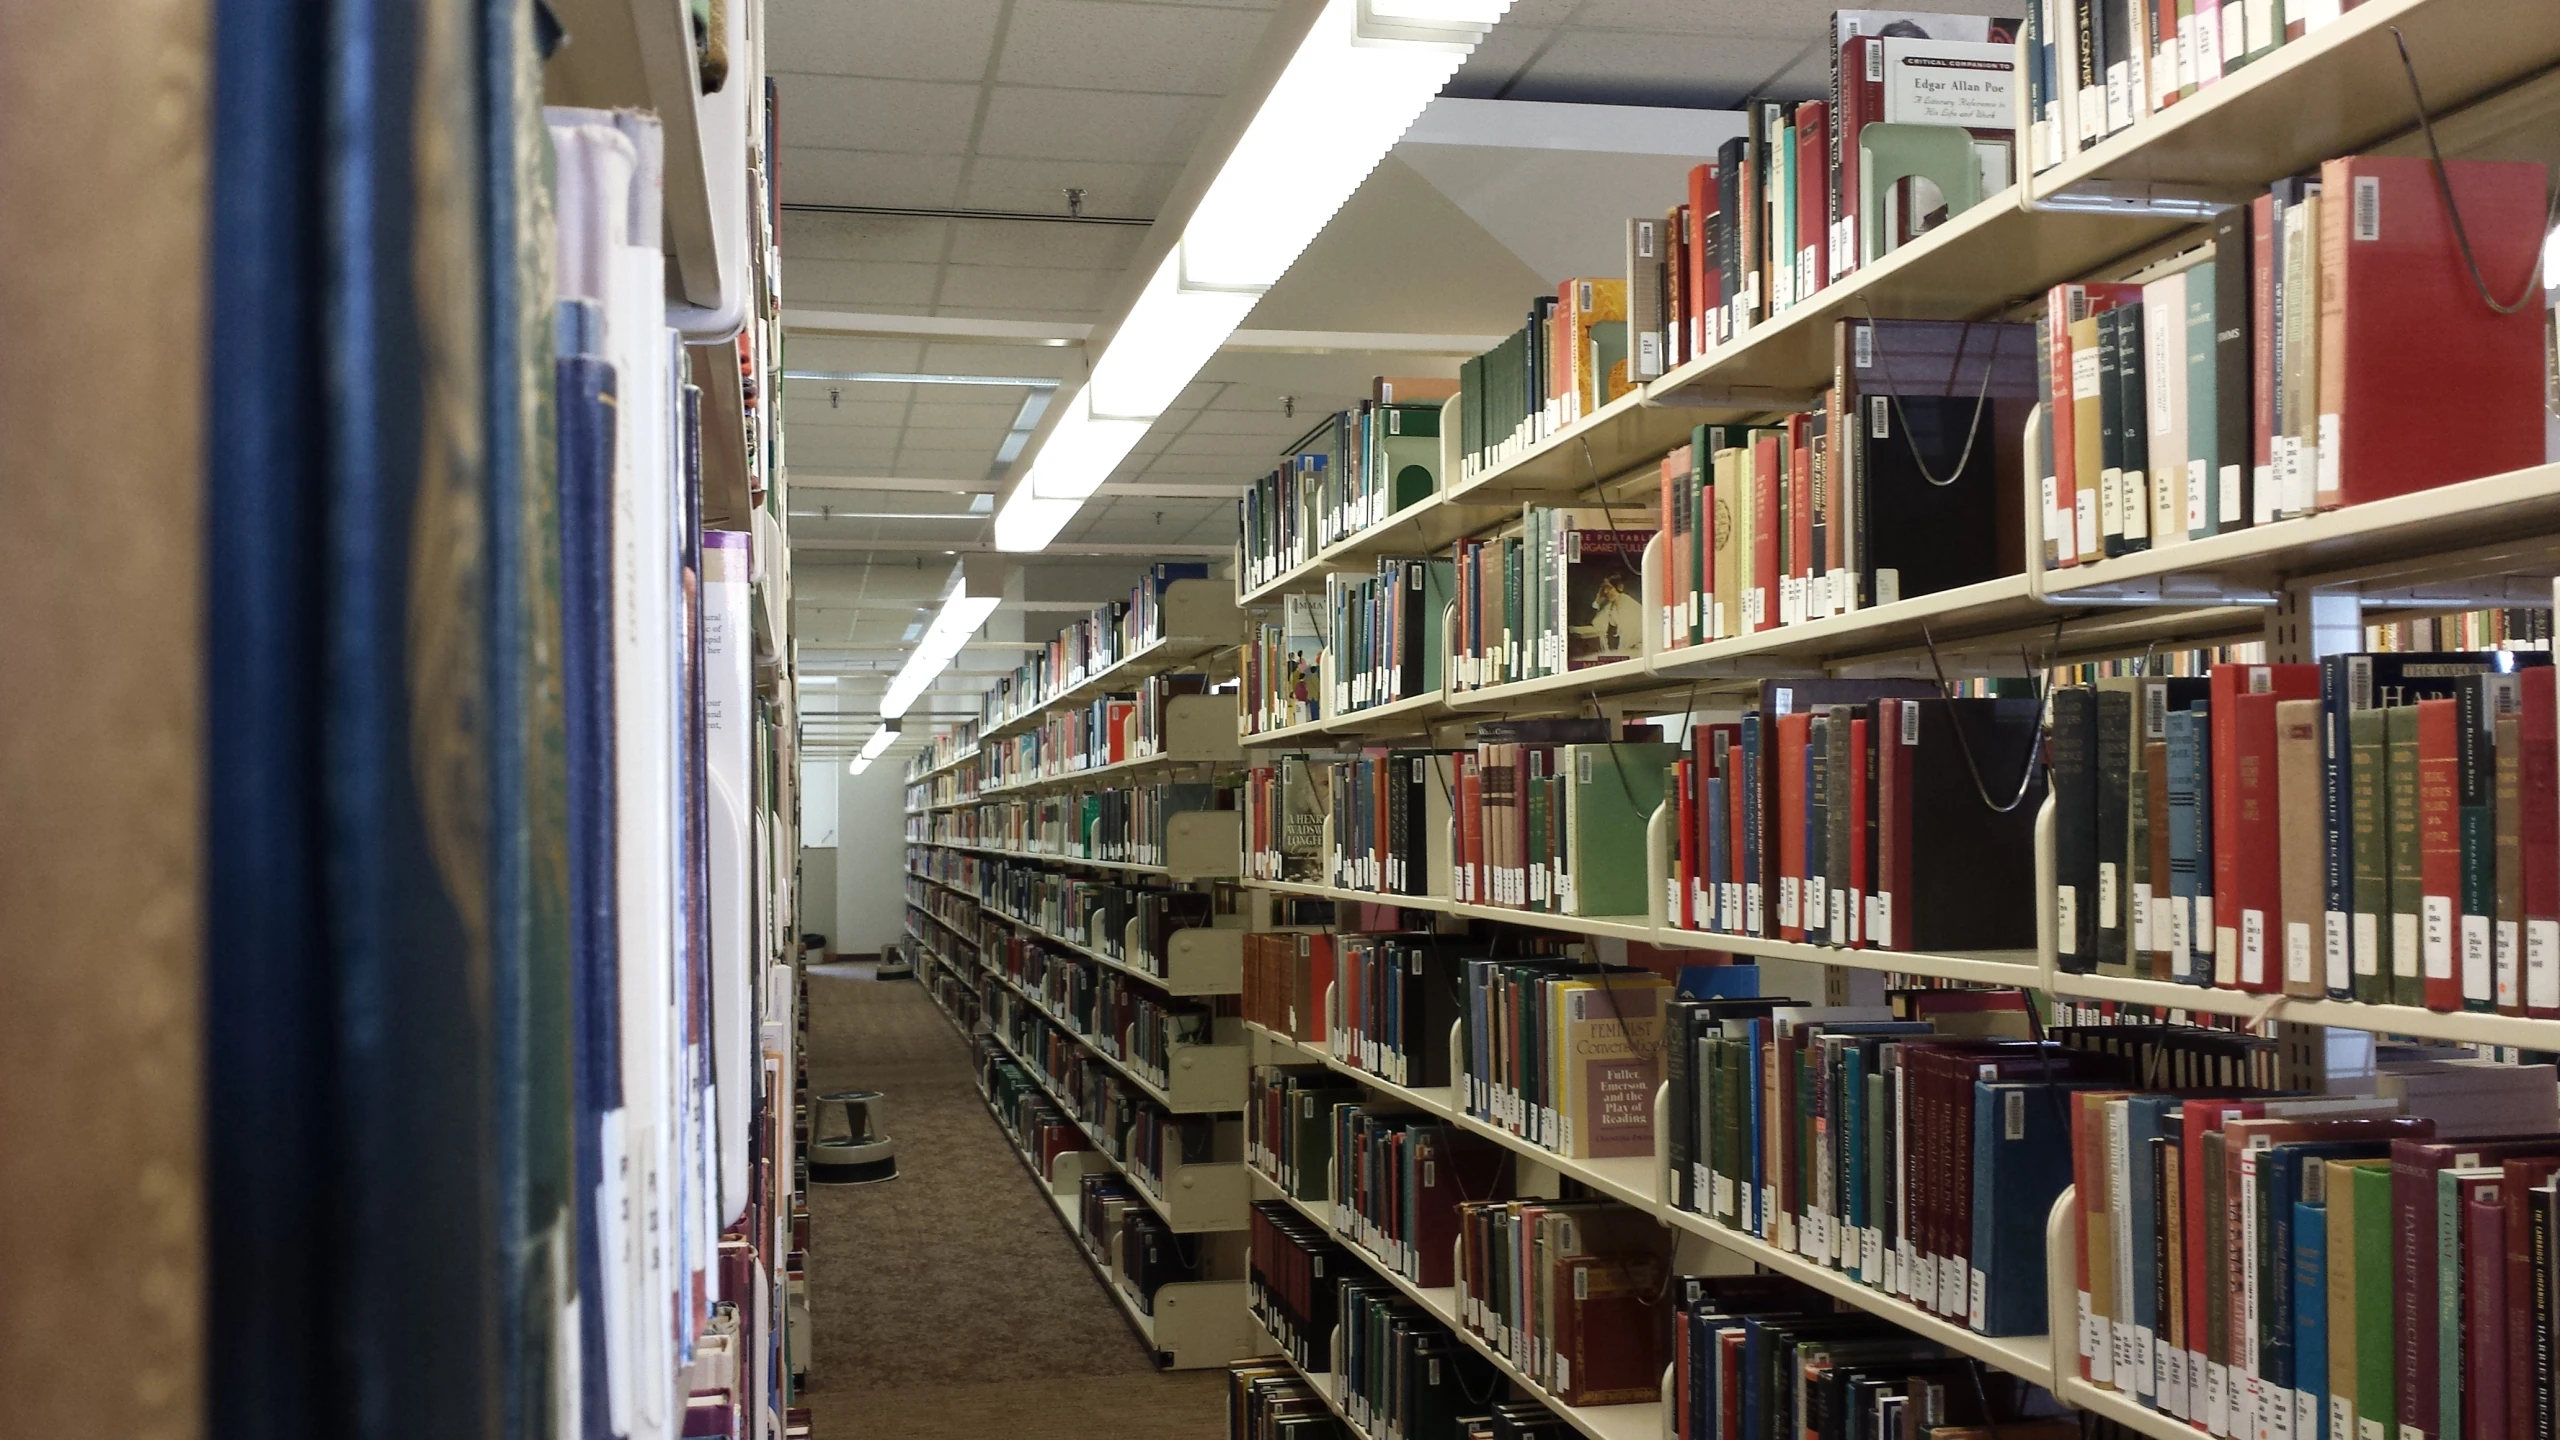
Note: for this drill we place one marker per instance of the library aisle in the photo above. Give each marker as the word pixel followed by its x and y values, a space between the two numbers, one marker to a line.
pixel 949 1303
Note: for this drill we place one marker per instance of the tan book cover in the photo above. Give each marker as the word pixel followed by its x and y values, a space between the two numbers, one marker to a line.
pixel 2303 834
pixel 2088 418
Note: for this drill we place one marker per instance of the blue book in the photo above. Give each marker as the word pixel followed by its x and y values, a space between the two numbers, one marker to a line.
pixel 2144 1123
pixel 1718 982
pixel 2311 1320
pixel 2279 1183
pixel 2186 735
pixel 2021 1164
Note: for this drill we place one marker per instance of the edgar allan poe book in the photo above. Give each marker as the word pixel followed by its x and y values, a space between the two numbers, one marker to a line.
pixel 1603 587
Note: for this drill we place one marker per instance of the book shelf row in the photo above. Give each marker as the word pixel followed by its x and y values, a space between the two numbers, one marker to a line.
pixel 1202 845
pixel 2161 174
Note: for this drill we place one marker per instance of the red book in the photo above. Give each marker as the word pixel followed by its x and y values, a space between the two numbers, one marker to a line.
pixel 1795 735
pixel 2262 355
pixel 1799 516
pixel 2062 504
pixel 2414 1163
pixel 2521 1178
pixel 1734 811
pixel 2201 1117
pixel 1677 907
pixel 1763 602
pixel 2405 334
pixel 1859 730
pixel 2538 776
pixel 1861 104
pixel 1675 288
pixel 2229 683
pixel 1677 583
pixel 2484 1311
pixel 2439 849
pixel 1705 283
pixel 1813 197
pixel 2257 877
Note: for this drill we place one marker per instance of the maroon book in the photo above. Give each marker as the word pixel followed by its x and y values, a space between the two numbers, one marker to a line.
pixel 2414 1164
pixel 2516 1201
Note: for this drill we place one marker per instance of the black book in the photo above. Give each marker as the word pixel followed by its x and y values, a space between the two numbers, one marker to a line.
pixel 2075 826
pixel 2233 371
pixel 2114 766
pixel 1931 455
pixel 2110 432
pixel 1839 835
pixel 1973 864
pixel 2133 414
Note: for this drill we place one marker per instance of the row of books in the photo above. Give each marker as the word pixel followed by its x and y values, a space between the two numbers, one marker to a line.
pixel 944 747
pixel 1379 1003
pixel 1899 482
pixel 1758 1357
pixel 1108 730
pixel 2376 827
pixel 1776 216
pixel 1870 814
pixel 1127 923
pixel 1394 1368
pixel 1566 360
pixel 2273 373
pixel 1108 1012
pixel 1113 632
pixel 1570 1291
pixel 2328 1267
pixel 1563 1052
pixel 1123 825
pixel 1352 471
pixel 1562 590
pixel 1281 668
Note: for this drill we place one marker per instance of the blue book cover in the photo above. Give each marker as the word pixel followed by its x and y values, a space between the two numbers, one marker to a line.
pixel 2021 1164
pixel 2186 734
pixel 2311 1320
pixel 2279 1183
pixel 2145 1122
pixel 1718 982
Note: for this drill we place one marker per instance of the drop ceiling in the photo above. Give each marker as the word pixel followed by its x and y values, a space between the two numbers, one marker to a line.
pixel 1004 105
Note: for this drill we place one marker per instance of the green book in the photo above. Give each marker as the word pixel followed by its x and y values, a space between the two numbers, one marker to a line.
pixel 1536 858
pixel 2204 468
pixel 2400 772
pixel 2376 1351
pixel 1610 794
pixel 1513 634
pixel 2368 788
pixel 2450 1188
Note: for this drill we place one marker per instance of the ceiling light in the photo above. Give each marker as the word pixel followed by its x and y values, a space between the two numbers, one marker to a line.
pixel 1360 75
pixel 976 587
pixel 881 739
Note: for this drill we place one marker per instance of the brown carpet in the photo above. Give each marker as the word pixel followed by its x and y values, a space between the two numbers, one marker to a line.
pixel 950 1302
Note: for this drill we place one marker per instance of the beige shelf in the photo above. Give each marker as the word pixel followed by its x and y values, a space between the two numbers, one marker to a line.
pixel 1206 1198
pixel 1205 1079
pixel 1198 730
pixel 1200 619
pixel 1631 431
pixel 639 55
pixel 1428 524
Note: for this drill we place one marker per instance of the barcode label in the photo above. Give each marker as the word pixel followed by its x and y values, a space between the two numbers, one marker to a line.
pixel 1863 346
pixel 2368 216
pixel 1879 419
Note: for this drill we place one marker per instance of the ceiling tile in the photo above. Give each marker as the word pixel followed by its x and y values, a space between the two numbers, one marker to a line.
pixel 956 414
pixel 1062 315
pixel 1497 60
pixel 799 395
pixel 1030 123
pixel 940 40
pixel 971 439
pixel 1619 67
pixel 1040 186
pixel 1102 45
pixel 1011 287
pixel 1027 361
pixel 1216 445
pixel 808 235
pixel 1099 247
pixel 814 414
pixel 955 463
pixel 911 116
pixel 860 284
pixel 813 176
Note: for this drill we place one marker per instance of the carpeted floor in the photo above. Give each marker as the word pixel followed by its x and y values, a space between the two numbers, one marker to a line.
pixel 950 1302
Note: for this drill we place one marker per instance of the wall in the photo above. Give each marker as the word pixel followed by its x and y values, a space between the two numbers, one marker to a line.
pixel 871 855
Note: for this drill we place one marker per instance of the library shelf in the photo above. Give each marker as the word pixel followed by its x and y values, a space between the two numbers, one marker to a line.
pixel 1642 1420
pixel 2028 1357
pixel 2336 92
pixel 1197 730
pixel 1412 714
pixel 1211 1196
pixel 1200 620
pixel 2431 546
pixel 1999 967
pixel 641 57
pixel 946 767
pixel 2479 1027
pixel 1206 1079
pixel 1201 960
pixel 1427 524
pixel 1319 1382
pixel 2062 1301
pixel 1631 431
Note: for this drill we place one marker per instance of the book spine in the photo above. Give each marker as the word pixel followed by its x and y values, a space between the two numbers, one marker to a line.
pixel 2538 824
pixel 2440 850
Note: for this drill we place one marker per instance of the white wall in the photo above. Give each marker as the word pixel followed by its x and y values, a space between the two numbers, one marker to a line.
pixel 871 888
pixel 818 892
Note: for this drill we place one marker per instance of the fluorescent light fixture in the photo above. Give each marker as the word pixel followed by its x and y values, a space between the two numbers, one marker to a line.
pixel 872 749
pixel 966 603
pixel 1360 75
